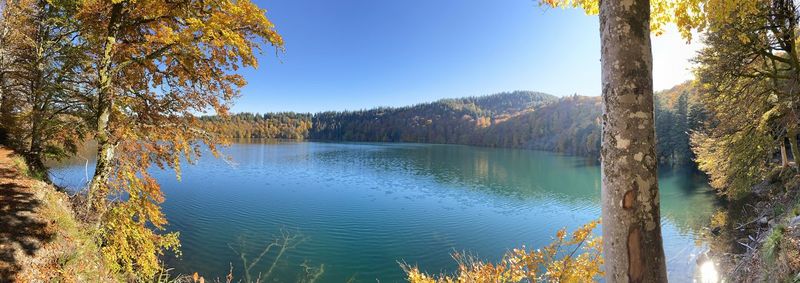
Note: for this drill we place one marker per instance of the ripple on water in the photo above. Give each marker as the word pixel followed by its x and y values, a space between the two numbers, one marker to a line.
pixel 361 208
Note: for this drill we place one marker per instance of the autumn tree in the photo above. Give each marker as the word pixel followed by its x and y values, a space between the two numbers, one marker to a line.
pixel 9 39
pixel 49 67
pixel 156 64
pixel 748 76
pixel 40 78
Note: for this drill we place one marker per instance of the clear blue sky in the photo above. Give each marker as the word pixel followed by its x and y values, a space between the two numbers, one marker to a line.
pixel 357 54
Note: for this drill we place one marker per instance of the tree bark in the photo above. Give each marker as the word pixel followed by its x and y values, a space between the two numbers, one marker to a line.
pixel 38 97
pixel 4 107
pixel 632 239
pixel 792 133
pixel 784 156
pixel 3 66
pixel 105 105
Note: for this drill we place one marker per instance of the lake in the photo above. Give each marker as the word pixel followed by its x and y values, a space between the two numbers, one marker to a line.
pixel 360 208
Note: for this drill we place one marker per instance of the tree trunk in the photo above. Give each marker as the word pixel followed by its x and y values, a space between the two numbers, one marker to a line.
pixel 8 121
pixel 792 132
pixel 105 147
pixel 34 151
pixel 34 154
pixel 3 131
pixel 105 104
pixel 630 202
pixel 38 98
pixel 3 45
pixel 784 156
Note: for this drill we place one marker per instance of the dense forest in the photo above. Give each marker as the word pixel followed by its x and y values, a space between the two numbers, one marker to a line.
pixel 520 119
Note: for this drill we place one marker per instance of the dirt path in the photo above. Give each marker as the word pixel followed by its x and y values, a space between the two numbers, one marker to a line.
pixel 23 232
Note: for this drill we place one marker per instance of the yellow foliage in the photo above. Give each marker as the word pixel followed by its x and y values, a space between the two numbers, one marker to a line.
pixel 719 219
pixel 162 62
pixel 687 15
pixel 574 259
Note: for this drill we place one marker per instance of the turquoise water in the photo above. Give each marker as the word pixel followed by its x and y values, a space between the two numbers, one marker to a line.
pixel 361 208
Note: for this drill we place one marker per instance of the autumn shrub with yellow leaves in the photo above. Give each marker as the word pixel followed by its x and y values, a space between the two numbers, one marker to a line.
pixel 574 259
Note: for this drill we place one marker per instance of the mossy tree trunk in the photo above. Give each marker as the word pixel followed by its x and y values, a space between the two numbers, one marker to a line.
pixel 632 239
pixel 105 105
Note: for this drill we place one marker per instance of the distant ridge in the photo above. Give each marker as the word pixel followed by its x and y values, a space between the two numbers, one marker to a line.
pixel 518 119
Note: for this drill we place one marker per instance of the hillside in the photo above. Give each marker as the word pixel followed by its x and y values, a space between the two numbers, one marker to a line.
pixel 453 121
pixel 40 238
pixel 520 119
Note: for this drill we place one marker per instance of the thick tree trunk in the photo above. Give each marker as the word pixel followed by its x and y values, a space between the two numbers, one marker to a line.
pixel 98 190
pixel 630 202
pixel 105 147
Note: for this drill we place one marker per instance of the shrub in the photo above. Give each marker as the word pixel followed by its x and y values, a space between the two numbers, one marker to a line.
pixel 577 259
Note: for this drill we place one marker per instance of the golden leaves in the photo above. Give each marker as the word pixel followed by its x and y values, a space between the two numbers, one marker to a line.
pixel 591 7
pixel 170 60
pixel 687 15
pixel 574 259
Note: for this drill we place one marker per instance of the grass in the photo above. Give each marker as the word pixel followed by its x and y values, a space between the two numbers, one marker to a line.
pixel 773 242
pixel 72 255
pixel 19 163
pixel 77 255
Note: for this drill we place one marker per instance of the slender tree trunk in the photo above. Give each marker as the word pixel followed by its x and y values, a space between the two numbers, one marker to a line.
pixel 792 132
pixel 38 97
pixel 8 120
pixel 105 105
pixel 630 202
pixel 786 14
pixel 3 69
pixel 3 66
pixel 35 152
pixel 3 131
pixel 784 156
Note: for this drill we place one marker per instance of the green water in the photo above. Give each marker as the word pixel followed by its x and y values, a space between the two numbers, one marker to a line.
pixel 362 208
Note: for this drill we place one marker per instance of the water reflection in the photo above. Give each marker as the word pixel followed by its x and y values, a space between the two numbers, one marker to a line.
pixel 525 175
pixel 366 206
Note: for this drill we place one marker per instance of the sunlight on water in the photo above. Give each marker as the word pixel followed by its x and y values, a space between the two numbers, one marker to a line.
pixel 708 272
pixel 361 208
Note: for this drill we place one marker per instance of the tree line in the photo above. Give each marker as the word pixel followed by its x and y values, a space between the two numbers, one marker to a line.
pixel 521 119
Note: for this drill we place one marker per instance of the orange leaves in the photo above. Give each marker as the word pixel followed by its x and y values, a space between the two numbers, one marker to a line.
pixel 577 259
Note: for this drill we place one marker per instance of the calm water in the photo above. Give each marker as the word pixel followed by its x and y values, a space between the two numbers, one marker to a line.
pixel 362 208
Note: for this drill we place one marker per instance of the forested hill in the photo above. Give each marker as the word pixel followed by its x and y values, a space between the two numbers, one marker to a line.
pixel 457 121
pixel 520 119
